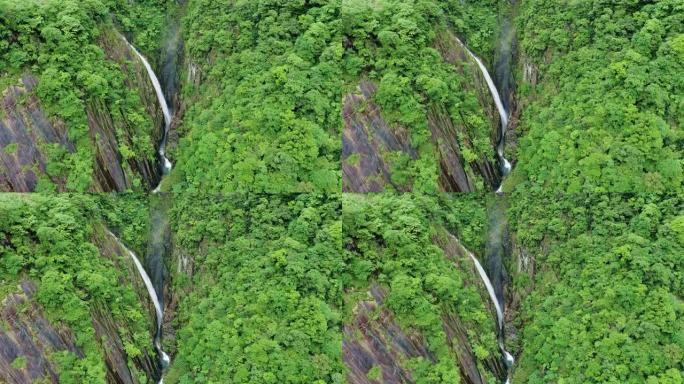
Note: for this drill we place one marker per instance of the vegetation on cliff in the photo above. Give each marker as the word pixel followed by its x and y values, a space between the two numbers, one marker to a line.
pixel 59 42
pixel 274 78
pixel 597 192
pixel 58 242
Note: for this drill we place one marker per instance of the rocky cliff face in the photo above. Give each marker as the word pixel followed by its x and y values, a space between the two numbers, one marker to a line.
pixel 373 339
pixel 28 338
pixel 26 132
pixel 369 141
pixel 454 327
pixel 453 52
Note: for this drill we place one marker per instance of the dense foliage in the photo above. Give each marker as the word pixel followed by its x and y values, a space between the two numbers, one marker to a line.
pixel 390 239
pixel 274 75
pixel 272 285
pixel 264 298
pixel 51 240
pixel 607 115
pixel 392 43
pixel 59 42
pixel 607 301
pixel 269 116
pixel 597 191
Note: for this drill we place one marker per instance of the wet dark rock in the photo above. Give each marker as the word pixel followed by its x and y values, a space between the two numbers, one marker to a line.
pixel 24 127
pixel 453 52
pixel 374 339
pixel 26 332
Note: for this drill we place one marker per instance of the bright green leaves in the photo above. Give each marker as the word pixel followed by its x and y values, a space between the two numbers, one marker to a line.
pixel 50 241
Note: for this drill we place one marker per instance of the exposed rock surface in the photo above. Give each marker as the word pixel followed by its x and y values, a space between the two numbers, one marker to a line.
pixel 373 338
pixel 26 131
pixel 453 52
pixel 27 334
pixel 109 331
pixel 366 141
pixel 455 330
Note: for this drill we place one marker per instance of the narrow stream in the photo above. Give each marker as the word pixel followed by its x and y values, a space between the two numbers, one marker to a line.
pixel 164 358
pixel 158 214
pixel 503 115
pixel 166 164
pixel 495 249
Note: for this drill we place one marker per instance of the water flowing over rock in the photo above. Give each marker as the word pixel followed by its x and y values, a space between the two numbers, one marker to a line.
pixel 508 358
pixel 28 334
pixel 503 114
pixel 164 358
pixel 26 130
pixel 166 163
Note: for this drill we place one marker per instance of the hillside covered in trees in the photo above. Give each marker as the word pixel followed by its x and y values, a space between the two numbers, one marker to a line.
pixel 341 191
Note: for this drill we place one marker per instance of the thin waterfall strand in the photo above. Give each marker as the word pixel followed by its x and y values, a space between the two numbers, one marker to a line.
pixel 503 114
pixel 499 312
pixel 166 163
pixel 153 296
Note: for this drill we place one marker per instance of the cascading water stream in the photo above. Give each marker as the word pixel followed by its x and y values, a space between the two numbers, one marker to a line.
pixel 166 163
pixel 497 306
pixel 505 170
pixel 165 360
pixel 159 224
pixel 503 114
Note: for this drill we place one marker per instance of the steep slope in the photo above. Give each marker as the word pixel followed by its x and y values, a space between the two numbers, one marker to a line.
pixel 74 309
pixel 423 119
pixel 258 283
pixel 280 82
pixel 419 312
pixel 78 111
pixel 596 196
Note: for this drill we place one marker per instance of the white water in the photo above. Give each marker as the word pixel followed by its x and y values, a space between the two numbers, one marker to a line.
pixel 506 169
pixel 166 168
pixel 166 163
pixel 490 289
pixel 503 114
pixel 510 360
pixel 153 296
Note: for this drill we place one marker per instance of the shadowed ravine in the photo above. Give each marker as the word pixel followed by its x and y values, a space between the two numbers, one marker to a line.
pixel 159 239
pixel 163 357
pixel 494 277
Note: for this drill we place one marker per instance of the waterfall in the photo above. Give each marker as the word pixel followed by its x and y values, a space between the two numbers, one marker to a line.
pixel 508 358
pixel 503 114
pixel 505 170
pixel 158 222
pixel 166 163
pixel 153 296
